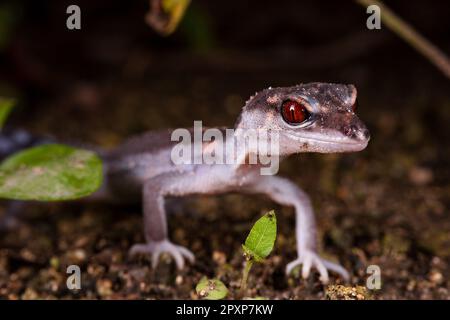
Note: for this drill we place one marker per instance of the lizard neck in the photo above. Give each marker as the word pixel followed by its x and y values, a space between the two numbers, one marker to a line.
pixel 254 148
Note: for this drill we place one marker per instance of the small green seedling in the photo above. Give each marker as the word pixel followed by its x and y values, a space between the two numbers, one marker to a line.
pixel 6 106
pixel 259 243
pixel 257 247
pixel 211 289
pixel 50 172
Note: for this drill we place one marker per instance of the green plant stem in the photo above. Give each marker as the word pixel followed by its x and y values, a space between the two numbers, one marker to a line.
pixel 410 35
pixel 246 271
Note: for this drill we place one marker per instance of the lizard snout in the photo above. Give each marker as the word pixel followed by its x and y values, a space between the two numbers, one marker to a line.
pixel 358 132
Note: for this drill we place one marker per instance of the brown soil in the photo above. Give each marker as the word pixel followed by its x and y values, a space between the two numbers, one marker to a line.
pixel 385 206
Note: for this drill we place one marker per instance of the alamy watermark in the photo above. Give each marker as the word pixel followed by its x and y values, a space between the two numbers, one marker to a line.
pixel 73 281
pixel 228 147
pixel 373 282
pixel 73 21
pixel 374 20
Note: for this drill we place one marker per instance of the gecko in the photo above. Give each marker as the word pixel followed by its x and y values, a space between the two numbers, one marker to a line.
pixel 312 117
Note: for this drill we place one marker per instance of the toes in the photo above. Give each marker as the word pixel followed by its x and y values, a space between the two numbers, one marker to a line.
pixel 306 267
pixel 337 268
pixel 322 270
pixel 291 265
pixel 179 261
pixel 155 258
pixel 187 254
pixel 178 253
pixel 312 260
pixel 136 249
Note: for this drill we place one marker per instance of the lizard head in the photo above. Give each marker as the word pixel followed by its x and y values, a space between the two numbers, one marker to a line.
pixel 314 117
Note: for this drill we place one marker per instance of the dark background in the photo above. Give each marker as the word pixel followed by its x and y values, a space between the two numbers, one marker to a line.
pixel 387 205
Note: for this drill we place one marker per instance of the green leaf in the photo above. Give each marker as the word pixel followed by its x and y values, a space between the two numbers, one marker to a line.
pixel 6 106
pixel 211 289
pixel 50 172
pixel 260 241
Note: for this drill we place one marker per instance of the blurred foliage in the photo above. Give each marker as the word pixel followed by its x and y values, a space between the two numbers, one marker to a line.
pixel 195 25
pixel 175 9
pixel 197 29
pixel 8 19
pixel 50 172
pixel 165 15
pixel 6 106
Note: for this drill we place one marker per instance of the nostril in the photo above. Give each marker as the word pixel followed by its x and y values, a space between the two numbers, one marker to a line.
pixel 351 131
pixel 357 132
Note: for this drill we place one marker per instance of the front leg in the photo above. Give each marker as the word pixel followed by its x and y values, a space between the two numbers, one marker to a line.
pixel 155 221
pixel 287 193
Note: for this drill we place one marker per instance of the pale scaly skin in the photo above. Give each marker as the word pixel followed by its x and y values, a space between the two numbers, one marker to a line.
pixel 142 167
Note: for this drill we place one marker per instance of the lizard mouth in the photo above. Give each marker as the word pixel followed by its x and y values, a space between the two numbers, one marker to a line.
pixel 321 144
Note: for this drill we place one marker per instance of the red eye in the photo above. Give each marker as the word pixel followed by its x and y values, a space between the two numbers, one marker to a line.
pixel 293 112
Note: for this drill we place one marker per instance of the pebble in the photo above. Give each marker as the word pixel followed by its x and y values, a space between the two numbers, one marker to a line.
pixel 436 277
pixel 219 257
pixel 104 287
pixel 179 279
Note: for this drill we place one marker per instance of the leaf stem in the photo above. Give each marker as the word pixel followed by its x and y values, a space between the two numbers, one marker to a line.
pixel 246 271
pixel 412 37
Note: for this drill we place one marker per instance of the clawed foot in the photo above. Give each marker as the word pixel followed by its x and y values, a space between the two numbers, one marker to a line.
pixel 311 259
pixel 178 253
